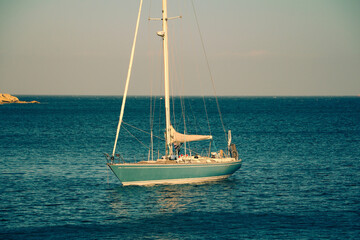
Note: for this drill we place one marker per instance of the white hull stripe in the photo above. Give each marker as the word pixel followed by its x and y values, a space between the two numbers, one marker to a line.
pixel 176 181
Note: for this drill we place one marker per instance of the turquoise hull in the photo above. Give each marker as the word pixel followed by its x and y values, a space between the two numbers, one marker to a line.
pixel 141 174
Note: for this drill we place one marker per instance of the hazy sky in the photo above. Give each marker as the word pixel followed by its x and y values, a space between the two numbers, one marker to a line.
pixel 254 47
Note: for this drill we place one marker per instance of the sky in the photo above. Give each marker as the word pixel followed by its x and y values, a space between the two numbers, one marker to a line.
pixel 253 47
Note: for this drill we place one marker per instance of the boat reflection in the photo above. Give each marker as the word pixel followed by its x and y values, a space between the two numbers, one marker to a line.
pixel 144 201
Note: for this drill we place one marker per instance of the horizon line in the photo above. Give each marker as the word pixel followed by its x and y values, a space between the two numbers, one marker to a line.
pixel 144 95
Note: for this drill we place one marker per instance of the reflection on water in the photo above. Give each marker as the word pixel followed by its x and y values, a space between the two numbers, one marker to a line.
pixel 146 201
pixel 172 199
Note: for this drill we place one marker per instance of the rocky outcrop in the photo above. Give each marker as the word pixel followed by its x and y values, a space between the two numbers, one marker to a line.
pixel 7 98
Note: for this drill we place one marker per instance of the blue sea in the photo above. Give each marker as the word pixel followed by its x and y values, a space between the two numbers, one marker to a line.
pixel 300 177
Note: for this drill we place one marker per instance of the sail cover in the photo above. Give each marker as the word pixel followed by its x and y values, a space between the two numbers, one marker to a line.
pixel 176 137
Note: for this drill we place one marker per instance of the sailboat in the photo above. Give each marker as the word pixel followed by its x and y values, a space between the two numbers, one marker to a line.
pixel 172 168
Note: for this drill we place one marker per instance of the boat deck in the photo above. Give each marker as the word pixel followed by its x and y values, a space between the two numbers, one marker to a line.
pixel 190 160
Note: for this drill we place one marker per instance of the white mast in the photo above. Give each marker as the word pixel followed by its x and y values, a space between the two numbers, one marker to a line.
pixel 164 35
pixel 166 76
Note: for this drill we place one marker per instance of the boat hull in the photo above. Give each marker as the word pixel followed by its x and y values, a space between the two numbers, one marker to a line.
pixel 144 174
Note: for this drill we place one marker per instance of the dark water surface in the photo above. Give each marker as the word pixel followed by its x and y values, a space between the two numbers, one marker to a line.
pixel 300 177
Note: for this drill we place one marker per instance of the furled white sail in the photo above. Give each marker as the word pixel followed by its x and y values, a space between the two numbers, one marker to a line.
pixel 176 137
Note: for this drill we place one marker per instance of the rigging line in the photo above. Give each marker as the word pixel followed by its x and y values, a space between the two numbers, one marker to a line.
pixel 172 77
pixel 151 152
pixel 172 87
pixel 141 130
pixel 175 76
pixel 181 81
pixel 136 138
pixel 184 119
pixel 152 117
pixel 207 116
pixel 197 125
pixel 151 123
pixel 208 66
pixel 173 108
pixel 193 151
pixel 192 123
pixel 176 88
pixel 188 120
pixel 153 113
pixel 182 103
pixel 127 79
pixel 160 91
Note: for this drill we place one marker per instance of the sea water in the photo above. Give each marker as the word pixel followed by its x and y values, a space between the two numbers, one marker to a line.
pixel 300 177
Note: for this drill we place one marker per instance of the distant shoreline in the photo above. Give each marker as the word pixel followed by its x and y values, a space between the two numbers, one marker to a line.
pixel 9 99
